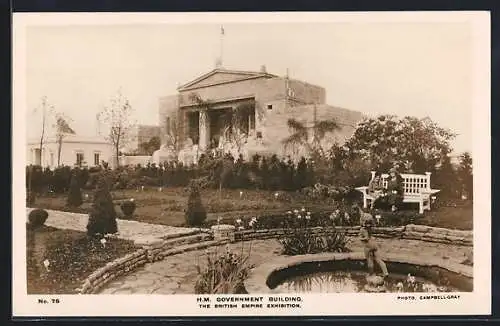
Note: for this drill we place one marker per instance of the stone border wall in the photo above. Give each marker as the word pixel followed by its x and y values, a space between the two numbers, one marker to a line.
pixel 411 231
pixel 156 249
pixel 149 250
pixel 112 270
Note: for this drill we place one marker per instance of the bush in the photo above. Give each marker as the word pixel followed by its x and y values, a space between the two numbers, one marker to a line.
pixel 75 194
pixel 195 212
pixel 399 218
pixel 30 198
pixel 128 207
pixel 223 274
pixel 37 218
pixel 298 238
pixel 102 218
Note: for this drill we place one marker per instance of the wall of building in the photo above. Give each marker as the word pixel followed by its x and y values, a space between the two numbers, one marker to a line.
pixel 276 128
pixel 68 153
pixel 276 99
pixel 168 107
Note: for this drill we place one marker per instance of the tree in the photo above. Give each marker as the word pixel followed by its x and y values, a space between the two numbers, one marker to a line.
pixel 418 144
pixel 102 218
pixel 118 116
pixel 173 134
pixel 309 137
pixel 465 174
pixel 150 146
pixel 46 110
pixel 446 179
pixel 75 194
pixel 195 213
pixel 62 129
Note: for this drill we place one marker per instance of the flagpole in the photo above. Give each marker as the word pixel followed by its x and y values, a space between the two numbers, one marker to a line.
pixel 221 45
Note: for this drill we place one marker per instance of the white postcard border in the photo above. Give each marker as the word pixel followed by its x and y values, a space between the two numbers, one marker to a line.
pixel 477 302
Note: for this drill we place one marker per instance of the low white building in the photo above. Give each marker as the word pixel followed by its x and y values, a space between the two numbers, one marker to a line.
pixel 75 150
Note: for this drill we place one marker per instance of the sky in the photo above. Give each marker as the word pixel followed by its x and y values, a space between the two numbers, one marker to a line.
pixel 402 68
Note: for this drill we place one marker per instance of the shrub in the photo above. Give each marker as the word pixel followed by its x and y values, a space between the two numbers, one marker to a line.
pixel 298 238
pixel 399 218
pixel 223 274
pixel 128 207
pixel 30 198
pixel 37 218
pixel 102 218
pixel 75 194
pixel 195 212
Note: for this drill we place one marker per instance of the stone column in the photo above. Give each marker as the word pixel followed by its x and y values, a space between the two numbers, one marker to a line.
pixel 204 129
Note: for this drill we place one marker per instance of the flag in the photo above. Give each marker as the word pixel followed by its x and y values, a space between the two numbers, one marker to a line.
pixel 222 30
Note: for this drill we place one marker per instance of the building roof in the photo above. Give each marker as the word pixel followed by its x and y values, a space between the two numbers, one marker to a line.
pixel 223 76
pixel 71 138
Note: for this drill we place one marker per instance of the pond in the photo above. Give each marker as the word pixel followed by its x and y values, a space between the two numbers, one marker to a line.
pixel 347 273
pixel 355 281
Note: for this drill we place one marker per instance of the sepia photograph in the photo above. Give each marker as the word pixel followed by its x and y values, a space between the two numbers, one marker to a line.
pixel 251 164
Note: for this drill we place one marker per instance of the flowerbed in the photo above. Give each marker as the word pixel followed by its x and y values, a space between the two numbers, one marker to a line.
pixel 58 261
pixel 341 216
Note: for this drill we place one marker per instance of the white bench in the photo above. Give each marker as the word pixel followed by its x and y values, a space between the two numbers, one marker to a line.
pixel 417 189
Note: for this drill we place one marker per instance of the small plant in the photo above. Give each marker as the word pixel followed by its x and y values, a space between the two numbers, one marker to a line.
pixel 195 212
pixel 223 274
pixel 75 194
pixel 298 238
pixel 102 218
pixel 37 218
pixel 128 208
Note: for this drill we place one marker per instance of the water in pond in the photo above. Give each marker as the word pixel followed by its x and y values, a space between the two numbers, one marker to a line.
pixel 355 281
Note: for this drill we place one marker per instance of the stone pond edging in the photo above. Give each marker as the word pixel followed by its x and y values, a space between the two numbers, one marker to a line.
pixel 258 277
pixel 411 231
pixel 152 249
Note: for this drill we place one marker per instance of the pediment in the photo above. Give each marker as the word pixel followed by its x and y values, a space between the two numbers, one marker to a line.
pixel 221 76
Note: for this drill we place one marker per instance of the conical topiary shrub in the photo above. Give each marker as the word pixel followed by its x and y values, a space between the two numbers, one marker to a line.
pixel 102 218
pixel 195 212
pixel 75 194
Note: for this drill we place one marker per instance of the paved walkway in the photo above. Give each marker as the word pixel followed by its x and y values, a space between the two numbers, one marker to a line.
pixel 128 230
pixel 177 274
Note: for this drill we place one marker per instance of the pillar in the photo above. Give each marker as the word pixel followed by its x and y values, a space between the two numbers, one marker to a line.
pixel 204 129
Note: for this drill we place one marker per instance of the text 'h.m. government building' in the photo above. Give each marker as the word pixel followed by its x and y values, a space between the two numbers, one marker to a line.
pixel 244 112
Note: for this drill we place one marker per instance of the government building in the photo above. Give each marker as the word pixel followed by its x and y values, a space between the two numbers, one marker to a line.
pixel 243 112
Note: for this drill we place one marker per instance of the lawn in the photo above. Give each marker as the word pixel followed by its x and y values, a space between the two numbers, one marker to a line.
pixel 167 206
pixel 71 257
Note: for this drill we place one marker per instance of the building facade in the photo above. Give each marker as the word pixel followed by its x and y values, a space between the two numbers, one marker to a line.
pixel 258 103
pixel 75 150
pixel 139 135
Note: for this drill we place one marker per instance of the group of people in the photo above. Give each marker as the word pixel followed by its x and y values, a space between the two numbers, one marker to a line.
pixel 390 196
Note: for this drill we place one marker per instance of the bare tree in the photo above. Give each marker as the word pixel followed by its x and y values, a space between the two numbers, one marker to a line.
pixel 173 134
pixel 118 117
pixel 46 110
pixel 62 129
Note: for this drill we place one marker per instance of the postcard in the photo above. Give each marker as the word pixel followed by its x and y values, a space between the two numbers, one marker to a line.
pixel 251 164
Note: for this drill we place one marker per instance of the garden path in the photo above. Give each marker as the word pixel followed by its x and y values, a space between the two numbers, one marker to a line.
pixel 128 230
pixel 177 274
